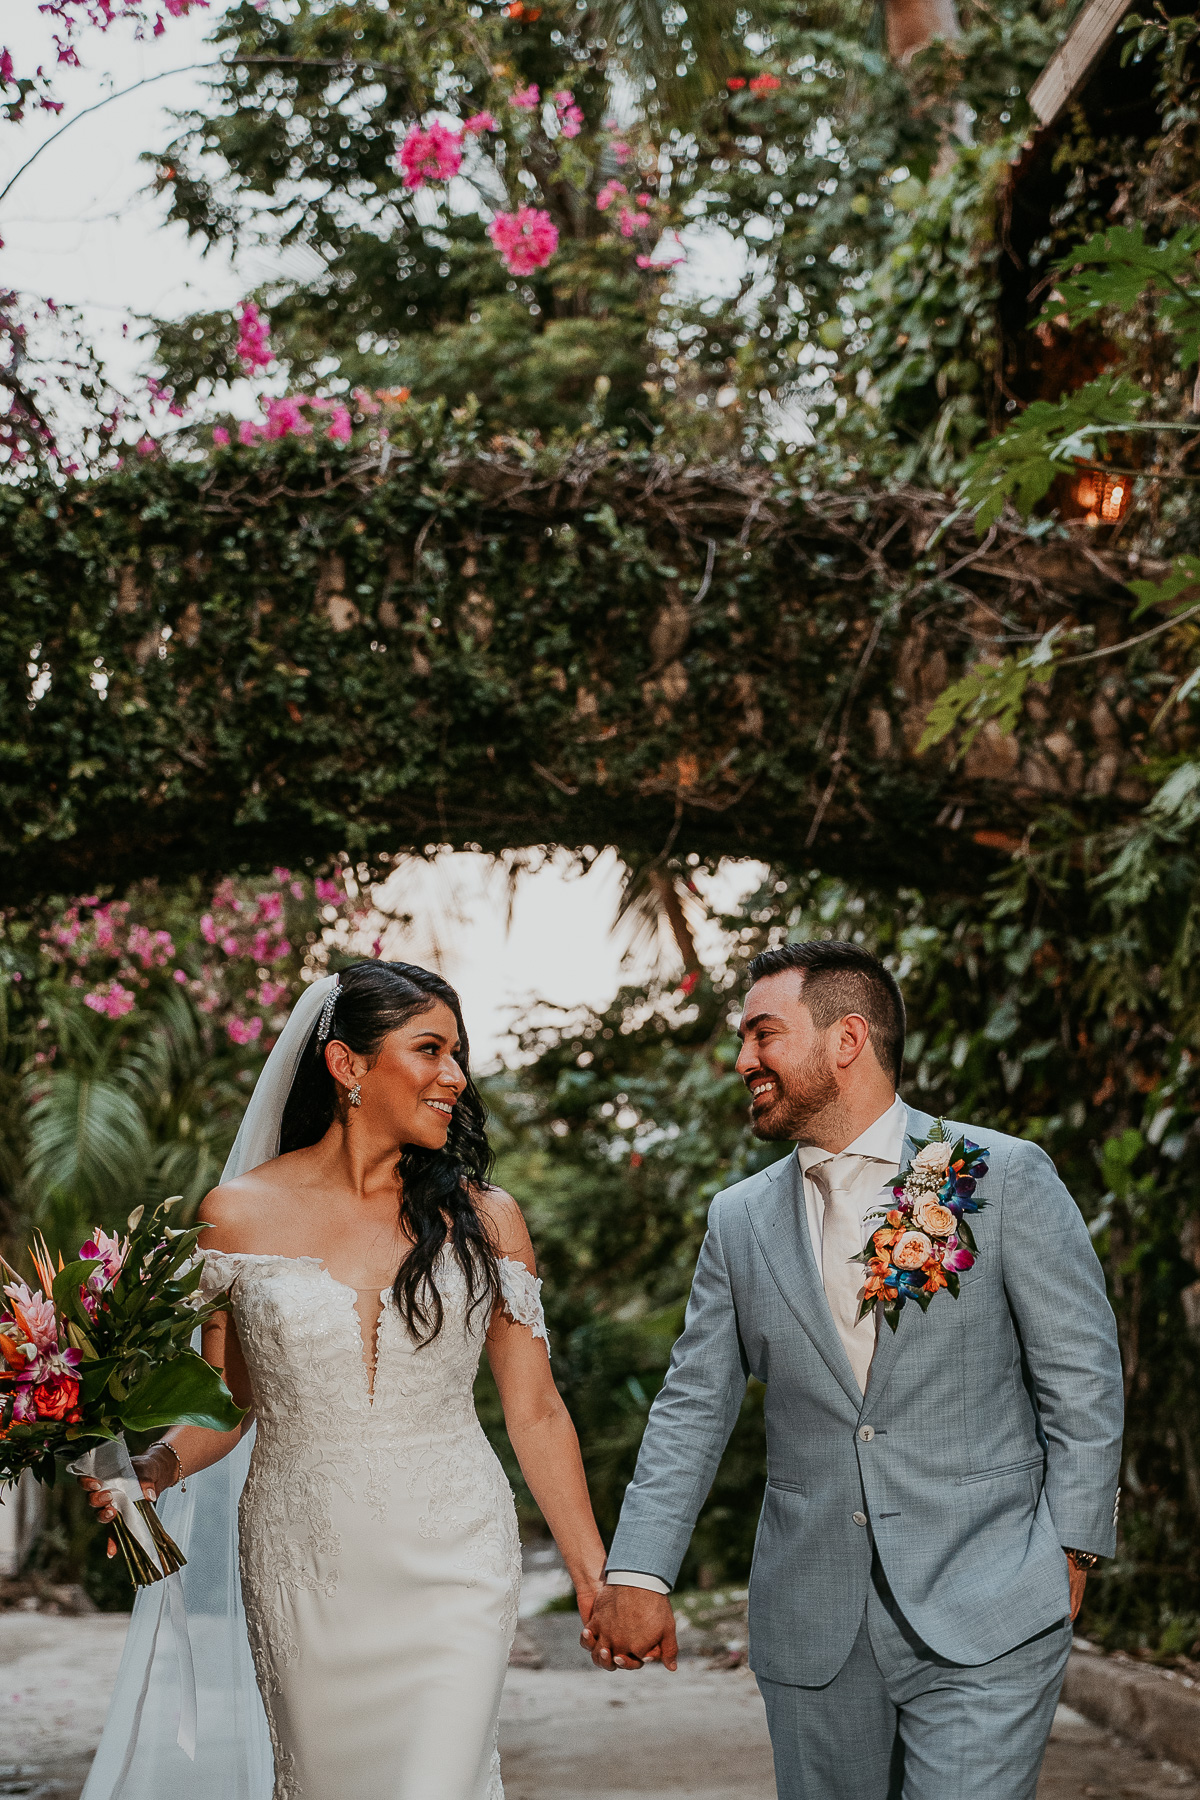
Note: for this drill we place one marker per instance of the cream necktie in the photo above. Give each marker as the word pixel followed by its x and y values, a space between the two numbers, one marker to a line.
pixel 842 1239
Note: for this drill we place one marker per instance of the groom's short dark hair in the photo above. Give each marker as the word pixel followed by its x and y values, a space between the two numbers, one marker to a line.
pixel 840 978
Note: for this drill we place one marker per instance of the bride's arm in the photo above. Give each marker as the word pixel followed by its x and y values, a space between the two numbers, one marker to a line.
pixel 186 1449
pixel 539 1425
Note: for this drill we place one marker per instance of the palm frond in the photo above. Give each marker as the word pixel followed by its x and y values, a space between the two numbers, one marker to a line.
pixel 87 1139
pixel 653 41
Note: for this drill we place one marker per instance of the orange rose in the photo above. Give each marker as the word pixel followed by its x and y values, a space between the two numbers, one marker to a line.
pixel 933 1218
pixel 913 1250
pixel 55 1397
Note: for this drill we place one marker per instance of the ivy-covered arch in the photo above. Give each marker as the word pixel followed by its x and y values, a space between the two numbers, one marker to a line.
pixel 264 659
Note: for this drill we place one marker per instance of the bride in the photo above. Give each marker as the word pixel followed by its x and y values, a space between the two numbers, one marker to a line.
pixel 368 1261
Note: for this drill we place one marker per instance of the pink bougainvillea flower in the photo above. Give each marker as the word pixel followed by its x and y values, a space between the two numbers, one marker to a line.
pixel 285 419
pixel 253 345
pixel 478 123
pixel 644 199
pixel 612 190
pixel 428 156
pixel 341 428
pixel 6 67
pixel 145 446
pixel 244 1031
pixel 249 432
pixel 622 151
pixel 326 890
pixel 220 437
pixel 763 84
pixel 270 906
pixel 526 239
pixel 368 406
pixel 570 116
pixel 735 82
pixel 633 221
pixel 526 98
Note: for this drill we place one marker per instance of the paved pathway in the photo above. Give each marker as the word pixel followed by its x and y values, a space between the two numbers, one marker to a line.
pixel 568 1733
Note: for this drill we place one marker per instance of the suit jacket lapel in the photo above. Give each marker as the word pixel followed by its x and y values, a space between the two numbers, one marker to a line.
pixel 781 1226
pixel 889 1343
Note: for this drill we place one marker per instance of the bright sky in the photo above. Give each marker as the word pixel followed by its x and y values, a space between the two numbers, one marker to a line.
pixel 78 228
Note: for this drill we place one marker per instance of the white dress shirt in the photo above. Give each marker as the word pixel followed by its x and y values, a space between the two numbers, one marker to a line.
pixel 867 1166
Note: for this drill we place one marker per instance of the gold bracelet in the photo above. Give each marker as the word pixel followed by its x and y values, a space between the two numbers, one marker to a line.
pixel 163 1444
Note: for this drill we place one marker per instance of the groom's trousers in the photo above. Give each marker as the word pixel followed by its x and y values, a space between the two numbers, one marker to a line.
pixel 898 1722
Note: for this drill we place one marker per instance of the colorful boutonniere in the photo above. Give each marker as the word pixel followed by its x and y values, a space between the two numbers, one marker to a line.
pixel 925 1243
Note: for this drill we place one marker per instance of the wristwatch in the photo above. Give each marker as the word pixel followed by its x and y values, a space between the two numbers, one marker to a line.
pixel 1083 1560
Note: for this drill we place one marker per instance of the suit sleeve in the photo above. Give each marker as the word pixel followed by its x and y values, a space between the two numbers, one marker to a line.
pixel 689 1424
pixel 1055 1289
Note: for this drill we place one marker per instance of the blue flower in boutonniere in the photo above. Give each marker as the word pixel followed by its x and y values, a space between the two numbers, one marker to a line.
pixel 924 1242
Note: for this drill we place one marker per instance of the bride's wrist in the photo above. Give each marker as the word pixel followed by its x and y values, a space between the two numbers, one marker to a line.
pixel 166 1465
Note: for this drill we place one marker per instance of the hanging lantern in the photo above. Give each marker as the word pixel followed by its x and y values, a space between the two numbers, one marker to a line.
pixel 1103 499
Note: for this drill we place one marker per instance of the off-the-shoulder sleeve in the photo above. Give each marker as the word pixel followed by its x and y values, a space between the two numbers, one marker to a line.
pixel 521 1292
pixel 217 1271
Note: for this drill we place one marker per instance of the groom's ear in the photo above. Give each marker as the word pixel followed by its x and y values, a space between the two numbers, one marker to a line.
pixel 851 1039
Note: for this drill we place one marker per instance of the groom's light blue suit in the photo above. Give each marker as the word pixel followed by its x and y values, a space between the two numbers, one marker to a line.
pixel 917 1530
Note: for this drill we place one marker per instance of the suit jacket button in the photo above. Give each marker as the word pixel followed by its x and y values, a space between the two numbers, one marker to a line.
pixel 859 1518
pixel 866 1433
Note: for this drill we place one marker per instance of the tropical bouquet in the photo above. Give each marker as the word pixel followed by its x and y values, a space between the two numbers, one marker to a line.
pixel 102 1347
pixel 925 1242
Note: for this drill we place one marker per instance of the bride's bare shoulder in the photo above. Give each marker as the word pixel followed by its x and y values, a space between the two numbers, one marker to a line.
pixel 502 1215
pixel 245 1213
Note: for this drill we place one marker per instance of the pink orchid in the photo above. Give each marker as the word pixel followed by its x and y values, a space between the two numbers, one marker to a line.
pixel 481 122
pixel 526 98
pixel 110 1252
pixel 253 345
pixel 612 190
pixel 957 1259
pixel 428 156
pixel 526 239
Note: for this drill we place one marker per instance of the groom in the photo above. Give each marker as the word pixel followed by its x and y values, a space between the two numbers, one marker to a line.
pixel 935 1496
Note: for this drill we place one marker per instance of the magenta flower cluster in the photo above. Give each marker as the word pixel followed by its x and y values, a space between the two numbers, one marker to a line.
pixel 254 339
pixel 526 239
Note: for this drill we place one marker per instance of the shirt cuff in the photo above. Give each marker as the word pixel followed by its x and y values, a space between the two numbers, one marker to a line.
pixel 635 1578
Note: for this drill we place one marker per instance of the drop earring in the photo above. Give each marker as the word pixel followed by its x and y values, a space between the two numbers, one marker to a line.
pixel 356 1095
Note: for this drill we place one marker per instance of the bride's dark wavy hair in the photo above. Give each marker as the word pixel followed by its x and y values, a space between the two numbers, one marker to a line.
pixel 439 1189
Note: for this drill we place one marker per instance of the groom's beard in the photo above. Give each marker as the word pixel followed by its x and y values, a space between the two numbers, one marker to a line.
pixel 802 1098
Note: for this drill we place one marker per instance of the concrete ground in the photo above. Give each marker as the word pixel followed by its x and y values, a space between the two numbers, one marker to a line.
pixel 567 1733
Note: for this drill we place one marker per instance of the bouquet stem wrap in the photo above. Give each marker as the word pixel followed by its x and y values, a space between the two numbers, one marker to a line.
pixel 146 1546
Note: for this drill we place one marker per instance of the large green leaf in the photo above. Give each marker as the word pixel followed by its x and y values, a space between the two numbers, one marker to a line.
pixel 184 1391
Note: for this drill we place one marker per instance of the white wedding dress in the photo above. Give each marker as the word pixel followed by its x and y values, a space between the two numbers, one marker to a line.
pixel 379 1555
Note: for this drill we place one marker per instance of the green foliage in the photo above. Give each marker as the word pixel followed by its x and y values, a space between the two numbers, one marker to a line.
pixel 988 691
pixel 1117 271
pixel 1022 464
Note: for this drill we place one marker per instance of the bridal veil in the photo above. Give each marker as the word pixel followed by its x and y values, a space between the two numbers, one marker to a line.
pixel 139 1757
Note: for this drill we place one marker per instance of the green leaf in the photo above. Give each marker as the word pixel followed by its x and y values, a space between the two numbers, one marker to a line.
pixel 1178 588
pixel 1022 463
pixel 184 1391
pixel 67 1284
pixel 986 691
pixel 1116 270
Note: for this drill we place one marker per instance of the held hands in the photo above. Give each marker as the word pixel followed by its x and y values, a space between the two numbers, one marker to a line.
pixel 154 1470
pixel 630 1626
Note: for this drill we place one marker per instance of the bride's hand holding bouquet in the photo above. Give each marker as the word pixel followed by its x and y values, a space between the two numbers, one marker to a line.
pixel 103 1347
